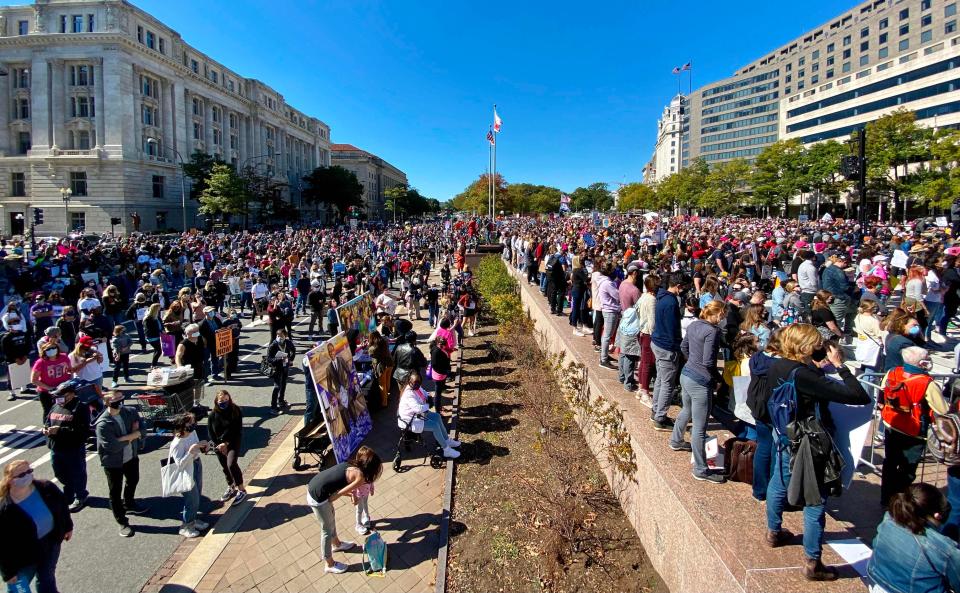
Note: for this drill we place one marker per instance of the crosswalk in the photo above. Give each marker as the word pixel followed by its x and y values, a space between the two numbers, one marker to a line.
pixel 17 441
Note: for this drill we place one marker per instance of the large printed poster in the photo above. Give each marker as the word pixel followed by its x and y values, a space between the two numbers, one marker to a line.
pixel 338 387
pixel 359 314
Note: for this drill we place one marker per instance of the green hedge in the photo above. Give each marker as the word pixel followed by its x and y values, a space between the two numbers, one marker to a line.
pixel 499 290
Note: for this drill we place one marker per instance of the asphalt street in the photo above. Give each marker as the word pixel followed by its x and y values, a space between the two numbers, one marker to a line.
pixel 98 558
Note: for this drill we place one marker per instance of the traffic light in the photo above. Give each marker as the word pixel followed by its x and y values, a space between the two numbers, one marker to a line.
pixel 850 167
pixel 37 216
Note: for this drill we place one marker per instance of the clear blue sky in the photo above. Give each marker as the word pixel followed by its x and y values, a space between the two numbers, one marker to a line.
pixel 579 86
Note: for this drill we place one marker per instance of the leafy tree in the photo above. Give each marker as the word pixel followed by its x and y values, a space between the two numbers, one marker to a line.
pixel 225 193
pixel 778 174
pixel 595 196
pixel 198 169
pixel 266 193
pixel 528 198
pixel 683 189
pixel 637 196
pixel 894 142
pixel 474 197
pixel 822 166
pixel 334 186
pixel 725 187
pixel 402 199
pixel 937 183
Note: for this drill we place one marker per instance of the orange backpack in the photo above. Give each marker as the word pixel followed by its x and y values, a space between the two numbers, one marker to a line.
pixel 903 402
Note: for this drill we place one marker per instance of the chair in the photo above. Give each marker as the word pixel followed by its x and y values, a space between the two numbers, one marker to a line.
pixel 407 437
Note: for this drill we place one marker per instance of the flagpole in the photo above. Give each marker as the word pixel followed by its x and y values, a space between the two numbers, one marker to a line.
pixel 690 80
pixel 493 181
pixel 489 170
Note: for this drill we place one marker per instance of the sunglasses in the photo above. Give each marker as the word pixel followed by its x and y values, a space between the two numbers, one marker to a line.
pixel 25 473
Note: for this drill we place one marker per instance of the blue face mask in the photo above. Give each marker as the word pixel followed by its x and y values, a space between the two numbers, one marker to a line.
pixel 914 331
pixel 224 405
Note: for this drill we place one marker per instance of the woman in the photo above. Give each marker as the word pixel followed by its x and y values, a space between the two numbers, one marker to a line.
pixel 710 291
pixel 48 372
pixel 902 331
pixel 804 353
pixel 152 328
pixel 333 483
pixel 646 315
pixel 440 369
pixel 225 427
pixel 414 413
pixel 698 379
pixel 381 362
pixel 173 321
pixel 69 325
pixel 792 305
pixel 909 554
pixel 754 322
pixel 933 301
pixel 280 354
pixel 85 362
pixel 869 337
pixel 113 305
pixel 185 451
pixel 468 308
pixel 192 352
pixel 822 317
pixel 34 521
pixel 915 289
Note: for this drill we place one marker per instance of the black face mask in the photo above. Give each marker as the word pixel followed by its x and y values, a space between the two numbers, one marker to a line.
pixel 819 354
pixel 115 405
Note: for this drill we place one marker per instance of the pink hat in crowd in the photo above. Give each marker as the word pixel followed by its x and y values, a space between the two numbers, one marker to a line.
pixel 801 244
pixel 953 250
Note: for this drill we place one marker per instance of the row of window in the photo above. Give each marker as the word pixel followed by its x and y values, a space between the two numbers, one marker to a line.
pixel 742 93
pixel 739 143
pixel 924 93
pixel 918 74
pixel 78 184
pixel 744 103
pixel 741 83
pixel 734 154
pixel 739 124
pixel 75 23
pixel 739 134
pixel 80 106
pixel 742 113
pixel 925 113
pixel 151 40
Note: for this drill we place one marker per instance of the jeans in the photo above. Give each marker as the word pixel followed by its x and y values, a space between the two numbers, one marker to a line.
pixel 157 351
pixel 231 469
pixel 433 312
pixel 279 386
pixel 901 456
pixel 951 527
pixel 310 395
pixel 214 363
pixel 122 496
pixel 363 512
pixel 328 527
pixel 191 498
pixel 576 303
pixel 646 362
pixel 45 571
pixel 628 370
pixel 696 406
pixel 70 467
pixel 121 365
pixel 840 307
pixel 934 312
pixel 667 366
pixel 597 327
pixel 434 423
pixel 806 299
pixel 814 516
pixel 543 282
pixel 610 319
pixel 762 460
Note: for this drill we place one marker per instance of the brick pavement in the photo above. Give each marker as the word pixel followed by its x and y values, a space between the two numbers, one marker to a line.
pixel 275 547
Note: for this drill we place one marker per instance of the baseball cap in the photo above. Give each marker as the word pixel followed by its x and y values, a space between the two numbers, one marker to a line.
pixel 740 296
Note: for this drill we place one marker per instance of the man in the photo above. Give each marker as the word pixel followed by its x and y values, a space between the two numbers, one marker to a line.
pixel 835 280
pixel 578 292
pixel 16 349
pixel 259 292
pixel 42 314
pixel 730 326
pixel 665 343
pixel 557 284
pixel 67 427
pixel 432 296
pixel 118 445
pixel 808 280
pixel 629 289
pixel 208 329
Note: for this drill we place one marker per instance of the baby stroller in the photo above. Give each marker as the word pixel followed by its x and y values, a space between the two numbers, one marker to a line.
pixel 407 438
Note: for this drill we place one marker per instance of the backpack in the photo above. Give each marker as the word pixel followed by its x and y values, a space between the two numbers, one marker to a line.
pixel 943 439
pixel 629 323
pixel 903 409
pixel 738 459
pixel 374 558
pixel 782 405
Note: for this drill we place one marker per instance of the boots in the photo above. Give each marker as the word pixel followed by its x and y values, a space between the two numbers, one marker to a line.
pixel 775 539
pixel 814 570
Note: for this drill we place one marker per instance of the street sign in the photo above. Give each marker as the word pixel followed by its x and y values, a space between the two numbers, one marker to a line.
pixel 224 339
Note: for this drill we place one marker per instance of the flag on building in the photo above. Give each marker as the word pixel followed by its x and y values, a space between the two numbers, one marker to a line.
pixel 496 120
pixel 687 66
pixel 491 138
pixel 676 70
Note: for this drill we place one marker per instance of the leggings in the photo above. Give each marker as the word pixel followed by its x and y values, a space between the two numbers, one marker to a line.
pixel 231 469
pixel 155 344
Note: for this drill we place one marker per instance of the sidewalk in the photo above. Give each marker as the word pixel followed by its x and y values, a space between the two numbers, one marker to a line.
pixel 273 545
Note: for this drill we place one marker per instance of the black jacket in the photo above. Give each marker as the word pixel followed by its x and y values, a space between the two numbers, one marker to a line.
pixel 73 418
pixel 814 388
pixel 225 426
pixel 15 345
pixel 19 546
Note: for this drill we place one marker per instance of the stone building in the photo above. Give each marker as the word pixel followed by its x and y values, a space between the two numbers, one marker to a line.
pixel 376 175
pixel 104 100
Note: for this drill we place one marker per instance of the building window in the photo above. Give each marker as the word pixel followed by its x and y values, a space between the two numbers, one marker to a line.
pixel 78 220
pixel 904 45
pixel 215 114
pixel 846 41
pixel 831 47
pixel 950 9
pixel 149 87
pixel 800 74
pixel 150 148
pixel 815 55
pixel 77 23
pixel 81 106
pixel 139 34
pixel 801 61
pixel 925 4
pixel 80 140
pixel 883 24
pixel 18 185
pixel 865 46
pixel 151 40
pixel 149 115
pixel 864 32
pixel 163 45
pixel 197 107
pixel 846 54
pixel 788 78
pixel 815 79
pixel 883 38
pixel 78 183
pixel 882 53
pixel 90 23
pixel 158 186
pixel 23 142
pixel 830 61
pixel 830 73
pixel 217 135
pixel 21 108
pixel 904 14
pixel 213 76
pixel 81 75
pixel 904 30
pixel 864 60
pixel 926 20
pixel 23 27
pixel 815 68
pixel 195 66
pixel 21 78
pixel 233 120
pixel 230 85
pixel 234 141
pixel 845 67
pixel 926 36
pixel 197 130
pixel 950 27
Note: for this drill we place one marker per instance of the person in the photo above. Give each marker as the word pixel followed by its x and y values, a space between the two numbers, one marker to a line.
pixel 16 351
pixel 867 327
pixel 804 354
pixel 414 414
pixel 807 279
pixel 361 500
pixel 628 340
pixel 578 293
pixel 821 316
pixel 185 450
pixel 556 281
pixel 407 357
pixel 432 298
pixel 333 483
pixel 34 521
pixel 232 359
pixel 280 354
pixel 119 441
pixel 835 282
pixel 48 372
pixel 225 427
pixel 909 554
pixel 609 298
pixel 440 369
pixel 315 300
pixel 67 427
pixel 902 328
pixel 757 394
pixel 646 315
pixel 698 379
pixel 122 345
pixel 191 352
pixel 152 328
pixel 754 322
pixel 468 310
pixel 933 300
pixel 209 326
pixel 908 396
pixel 69 325
pixel 665 343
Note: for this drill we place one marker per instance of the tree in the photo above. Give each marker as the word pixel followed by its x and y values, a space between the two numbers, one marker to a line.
pixel 335 186
pixel 778 174
pixel 937 183
pixel 266 193
pixel 822 166
pixel 596 196
pixel 894 142
pixel 725 187
pixel 637 196
pixel 684 188
pixel 224 192
pixel 198 169
pixel 402 199
pixel 475 196
pixel 528 198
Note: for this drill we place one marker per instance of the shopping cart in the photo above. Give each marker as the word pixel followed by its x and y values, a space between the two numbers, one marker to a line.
pixel 161 406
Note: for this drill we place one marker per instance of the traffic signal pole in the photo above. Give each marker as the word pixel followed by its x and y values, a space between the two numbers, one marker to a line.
pixel 862 178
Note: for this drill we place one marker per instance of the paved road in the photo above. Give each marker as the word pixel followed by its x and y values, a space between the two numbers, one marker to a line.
pixel 98 559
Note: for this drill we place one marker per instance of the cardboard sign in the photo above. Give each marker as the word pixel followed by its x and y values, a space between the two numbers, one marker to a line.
pixel 19 375
pixel 941 221
pixel 224 340
pixel 899 259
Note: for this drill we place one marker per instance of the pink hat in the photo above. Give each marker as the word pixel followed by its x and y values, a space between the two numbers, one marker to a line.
pixel 801 244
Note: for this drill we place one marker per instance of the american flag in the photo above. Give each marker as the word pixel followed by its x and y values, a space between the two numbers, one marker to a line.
pixel 564 199
pixel 687 66
pixel 491 138
pixel 676 70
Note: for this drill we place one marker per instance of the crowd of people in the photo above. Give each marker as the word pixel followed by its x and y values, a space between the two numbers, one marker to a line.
pixel 716 316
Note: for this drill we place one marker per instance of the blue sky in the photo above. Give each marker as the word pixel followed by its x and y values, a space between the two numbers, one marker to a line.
pixel 579 86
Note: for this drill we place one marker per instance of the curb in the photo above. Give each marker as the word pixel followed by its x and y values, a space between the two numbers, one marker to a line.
pixel 441 577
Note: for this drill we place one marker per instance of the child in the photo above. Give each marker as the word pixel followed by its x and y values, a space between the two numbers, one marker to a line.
pixel 332 320
pixel 121 344
pixel 360 497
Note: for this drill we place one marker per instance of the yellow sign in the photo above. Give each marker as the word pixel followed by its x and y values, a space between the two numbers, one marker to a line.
pixel 224 339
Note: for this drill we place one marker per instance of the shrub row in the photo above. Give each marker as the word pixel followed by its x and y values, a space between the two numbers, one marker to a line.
pixel 500 293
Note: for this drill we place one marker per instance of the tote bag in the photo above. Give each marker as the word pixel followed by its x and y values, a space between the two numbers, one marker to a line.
pixel 867 351
pixel 168 346
pixel 173 480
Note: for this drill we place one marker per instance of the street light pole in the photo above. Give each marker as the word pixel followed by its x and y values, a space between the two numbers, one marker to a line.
pixel 65 193
pixel 183 193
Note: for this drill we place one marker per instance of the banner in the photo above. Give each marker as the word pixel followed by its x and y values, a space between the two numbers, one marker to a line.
pixel 359 314
pixel 224 341
pixel 338 389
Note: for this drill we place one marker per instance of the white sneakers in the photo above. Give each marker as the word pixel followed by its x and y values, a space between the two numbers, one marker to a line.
pixel 344 546
pixel 189 532
pixel 200 525
pixel 450 453
pixel 453 443
pixel 337 568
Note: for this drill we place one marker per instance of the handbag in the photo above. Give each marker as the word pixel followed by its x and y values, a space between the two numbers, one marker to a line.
pixel 266 368
pixel 168 346
pixel 738 459
pixel 173 480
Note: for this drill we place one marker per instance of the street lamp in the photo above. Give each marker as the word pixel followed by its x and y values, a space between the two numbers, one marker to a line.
pixel 65 193
pixel 183 193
